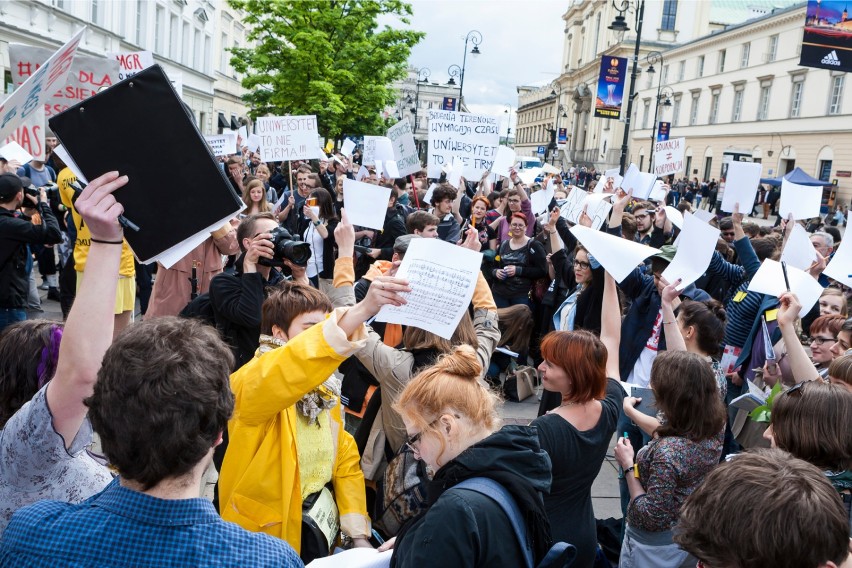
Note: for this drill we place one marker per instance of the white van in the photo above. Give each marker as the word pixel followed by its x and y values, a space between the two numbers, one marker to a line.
pixel 529 162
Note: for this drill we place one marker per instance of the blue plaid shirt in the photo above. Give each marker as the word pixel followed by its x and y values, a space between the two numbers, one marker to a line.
pixel 122 527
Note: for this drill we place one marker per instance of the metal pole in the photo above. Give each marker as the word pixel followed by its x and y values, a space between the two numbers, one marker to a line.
pixel 464 62
pixel 639 17
pixel 654 131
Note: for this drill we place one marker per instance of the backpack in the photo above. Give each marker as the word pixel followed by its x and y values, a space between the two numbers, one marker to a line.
pixel 401 492
pixel 201 308
pixel 560 555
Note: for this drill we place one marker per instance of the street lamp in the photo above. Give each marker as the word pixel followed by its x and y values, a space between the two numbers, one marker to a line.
pixel 655 57
pixel 508 122
pixel 619 24
pixel 474 37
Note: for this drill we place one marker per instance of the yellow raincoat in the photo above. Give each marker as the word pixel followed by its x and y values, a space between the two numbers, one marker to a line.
pixel 259 486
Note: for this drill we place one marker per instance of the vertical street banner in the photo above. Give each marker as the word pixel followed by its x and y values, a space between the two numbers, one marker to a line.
pixel 88 75
pixel 404 148
pixel 449 103
pixel 827 38
pixel 663 130
pixel 562 137
pixel 36 89
pixel 611 81
pixel 472 137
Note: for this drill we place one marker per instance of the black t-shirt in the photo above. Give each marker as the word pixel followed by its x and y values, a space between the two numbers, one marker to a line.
pixel 576 459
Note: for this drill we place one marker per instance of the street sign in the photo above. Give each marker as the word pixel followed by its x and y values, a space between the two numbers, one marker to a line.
pixel 541 150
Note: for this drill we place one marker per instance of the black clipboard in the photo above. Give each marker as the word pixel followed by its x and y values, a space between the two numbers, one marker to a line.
pixel 648 405
pixel 140 127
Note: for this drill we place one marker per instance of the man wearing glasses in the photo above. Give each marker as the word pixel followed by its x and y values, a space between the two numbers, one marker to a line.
pixel 644 213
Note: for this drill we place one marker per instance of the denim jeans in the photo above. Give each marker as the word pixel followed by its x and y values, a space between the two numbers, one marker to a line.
pixel 8 316
pixel 505 302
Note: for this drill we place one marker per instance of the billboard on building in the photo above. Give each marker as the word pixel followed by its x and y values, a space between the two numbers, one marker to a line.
pixel 610 87
pixel 827 39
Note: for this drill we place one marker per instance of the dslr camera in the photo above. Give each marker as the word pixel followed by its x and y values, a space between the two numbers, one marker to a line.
pixel 287 247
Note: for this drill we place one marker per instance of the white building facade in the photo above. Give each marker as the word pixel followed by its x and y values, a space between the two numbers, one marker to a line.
pixel 742 92
pixel 184 36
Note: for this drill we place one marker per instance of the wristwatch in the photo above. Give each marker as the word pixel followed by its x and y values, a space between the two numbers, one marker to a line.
pixel 317 223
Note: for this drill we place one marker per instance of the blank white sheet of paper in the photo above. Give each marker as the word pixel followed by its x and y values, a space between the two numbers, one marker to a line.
pixel 769 279
pixel 741 186
pixel 799 251
pixel 697 243
pixel 802 201
pixel 618 256
pixel 366 204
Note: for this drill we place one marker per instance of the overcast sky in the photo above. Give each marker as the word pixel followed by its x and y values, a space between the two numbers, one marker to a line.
pixel 521 44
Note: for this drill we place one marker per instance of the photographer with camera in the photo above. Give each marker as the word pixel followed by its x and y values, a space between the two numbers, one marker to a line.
pixel 237 298
pixel 16 234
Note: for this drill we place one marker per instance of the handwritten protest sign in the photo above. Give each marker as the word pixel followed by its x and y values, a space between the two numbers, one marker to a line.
pixel 30 134
pixel 404 148
pixel 131 62
pixel 36 89
pixel 473 137
pixel 377 148
pixel 286 138
pixel 668 156
pixel 220 144
pixel 88 75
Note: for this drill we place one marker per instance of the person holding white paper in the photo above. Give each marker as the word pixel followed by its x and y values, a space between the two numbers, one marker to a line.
pixel 517 201
pixel 381 242
pixel 520 261
pixel 394 368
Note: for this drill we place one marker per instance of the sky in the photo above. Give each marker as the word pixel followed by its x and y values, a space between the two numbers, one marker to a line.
pixel 521 44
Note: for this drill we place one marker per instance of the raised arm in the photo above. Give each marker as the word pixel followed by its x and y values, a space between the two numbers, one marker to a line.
pixel 674 339
pixel 618 206
pixel 611 325
pixel 801 365
pixel 88 330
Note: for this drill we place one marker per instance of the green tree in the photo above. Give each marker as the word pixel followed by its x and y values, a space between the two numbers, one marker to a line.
pixel 324 57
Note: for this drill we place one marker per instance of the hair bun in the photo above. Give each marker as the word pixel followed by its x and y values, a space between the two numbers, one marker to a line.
pixel 718 309
pixel 461 362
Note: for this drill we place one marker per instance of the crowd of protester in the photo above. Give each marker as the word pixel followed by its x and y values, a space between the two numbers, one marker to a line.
pixel 322 428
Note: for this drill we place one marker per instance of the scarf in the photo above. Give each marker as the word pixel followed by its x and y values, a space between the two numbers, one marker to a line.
pixel 324 397
pixel 840 480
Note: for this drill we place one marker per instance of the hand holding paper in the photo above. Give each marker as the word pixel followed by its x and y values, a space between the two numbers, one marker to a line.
pixel 697 243
pixel 769 279
pixel 802 201
pixel 366 204
pixel 741 185
pixel 618 256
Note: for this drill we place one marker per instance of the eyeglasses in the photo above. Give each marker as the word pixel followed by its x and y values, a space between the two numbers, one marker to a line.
pixel 581 264
pixel 412 440
pixel 821 340
pixel 642 216
pixel 514 201
pixel 516 226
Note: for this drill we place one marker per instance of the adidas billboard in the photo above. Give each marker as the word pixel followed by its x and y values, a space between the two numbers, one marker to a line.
pixel 831 59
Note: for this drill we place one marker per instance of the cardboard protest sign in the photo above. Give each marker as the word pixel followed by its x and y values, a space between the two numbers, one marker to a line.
pixel 404 148
pixel 473 137
pixel 219 145
pixel 88 75
pixel 377 148
pixel 131 62
pixel 668 156
pixel 36 89
pixel 30 134
pixel 287 138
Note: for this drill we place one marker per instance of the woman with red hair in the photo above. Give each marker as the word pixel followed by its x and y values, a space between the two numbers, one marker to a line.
pixel 577 433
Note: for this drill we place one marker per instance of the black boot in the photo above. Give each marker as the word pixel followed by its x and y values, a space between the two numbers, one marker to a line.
pixel 53 294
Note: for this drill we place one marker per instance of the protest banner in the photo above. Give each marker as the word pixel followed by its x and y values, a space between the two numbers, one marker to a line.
pixel 404 148
pixel 30 134
pixel 52 74
pixel 472 137
pixel 131 62
pixel 377 148
pixel 88 75
pixel 220 144
pixel 286 138
pixel 668 156
pixel 610 92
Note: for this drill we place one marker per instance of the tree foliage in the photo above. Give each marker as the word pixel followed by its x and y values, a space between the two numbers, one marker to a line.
pixel 324 57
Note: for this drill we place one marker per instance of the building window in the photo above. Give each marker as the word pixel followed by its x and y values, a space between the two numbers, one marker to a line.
pixel 825 170
pixel 745 54
pixel 664 77
pixel 714 107
pixel 693 110
pixel 737 113
pixel 159 29
pixel 681 70
pixel 688 169
pixel 140 22
pixel 186 44
pixel 208 41
pixel 645 112
pixel 597 31
pixel 836 99
pixel 224 53
pixel 763 103
pixel 722 54
pixel 796 98
pixel 708 165
pixel 773 48
pixel 669 15
pixel 700 72
pixel 676 111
